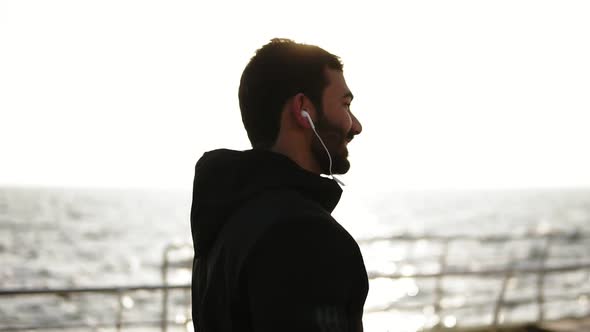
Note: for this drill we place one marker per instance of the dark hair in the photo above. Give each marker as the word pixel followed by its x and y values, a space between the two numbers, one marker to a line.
pixel 278 71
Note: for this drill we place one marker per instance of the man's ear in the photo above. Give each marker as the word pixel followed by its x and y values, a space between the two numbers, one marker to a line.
pixel 302 103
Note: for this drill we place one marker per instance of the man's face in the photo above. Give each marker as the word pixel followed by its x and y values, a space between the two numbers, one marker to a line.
pixel 336 125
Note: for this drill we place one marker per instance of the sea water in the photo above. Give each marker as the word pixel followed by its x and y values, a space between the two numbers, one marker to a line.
pixel 70 238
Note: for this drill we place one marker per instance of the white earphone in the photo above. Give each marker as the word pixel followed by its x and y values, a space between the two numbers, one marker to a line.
pixel 306 115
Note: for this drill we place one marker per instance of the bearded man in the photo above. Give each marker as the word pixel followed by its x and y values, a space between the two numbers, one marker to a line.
pixel 268 254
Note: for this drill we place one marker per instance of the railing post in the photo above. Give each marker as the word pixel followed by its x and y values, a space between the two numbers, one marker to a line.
pixel 500 300
pixel 164 318
pixel 541 280
pixel 120 310
pixel 438 291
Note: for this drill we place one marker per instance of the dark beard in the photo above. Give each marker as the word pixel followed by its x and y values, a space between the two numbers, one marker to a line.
pixel 335 140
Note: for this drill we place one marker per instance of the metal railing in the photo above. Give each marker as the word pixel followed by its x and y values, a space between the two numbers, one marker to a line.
pixel 506 273
pixel 120 292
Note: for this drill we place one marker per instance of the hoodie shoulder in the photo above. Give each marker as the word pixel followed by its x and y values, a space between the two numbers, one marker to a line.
pixel 225 180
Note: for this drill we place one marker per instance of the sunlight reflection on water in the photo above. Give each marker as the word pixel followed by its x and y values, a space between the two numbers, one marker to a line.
pixel 383 291
pixel 39 253
pixel 393 321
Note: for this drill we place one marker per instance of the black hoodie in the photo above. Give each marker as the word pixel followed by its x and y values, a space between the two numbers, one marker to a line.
pixel 268 254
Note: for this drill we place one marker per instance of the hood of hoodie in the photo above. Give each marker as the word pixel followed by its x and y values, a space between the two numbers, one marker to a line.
pixel 225 179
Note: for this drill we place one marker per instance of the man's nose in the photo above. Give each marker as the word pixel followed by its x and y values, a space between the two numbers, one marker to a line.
pixel 356 125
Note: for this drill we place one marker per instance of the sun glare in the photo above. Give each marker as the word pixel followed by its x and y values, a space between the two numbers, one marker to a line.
pixel 447 97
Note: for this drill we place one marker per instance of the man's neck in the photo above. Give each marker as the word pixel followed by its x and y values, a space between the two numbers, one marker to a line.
pixel 300 156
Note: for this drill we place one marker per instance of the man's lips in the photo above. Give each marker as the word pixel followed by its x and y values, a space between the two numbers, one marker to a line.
pixel 349 138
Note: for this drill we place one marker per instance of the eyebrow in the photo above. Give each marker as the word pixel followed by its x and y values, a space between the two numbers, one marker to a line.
pixel 348 95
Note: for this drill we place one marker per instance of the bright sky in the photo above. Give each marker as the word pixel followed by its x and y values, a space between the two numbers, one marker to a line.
pixel 451 94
